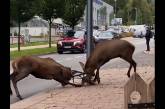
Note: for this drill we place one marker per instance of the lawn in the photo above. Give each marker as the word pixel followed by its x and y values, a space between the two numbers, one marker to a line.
pixel 37 51
pixel 31 44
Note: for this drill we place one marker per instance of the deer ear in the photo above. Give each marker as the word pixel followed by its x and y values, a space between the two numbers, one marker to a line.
pixel 82 66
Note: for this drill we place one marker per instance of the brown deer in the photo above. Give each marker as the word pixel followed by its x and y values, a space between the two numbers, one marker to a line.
pixel 102 53
pixel 43 68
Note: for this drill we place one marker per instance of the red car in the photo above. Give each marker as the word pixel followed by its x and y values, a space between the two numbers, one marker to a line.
pixel 72 43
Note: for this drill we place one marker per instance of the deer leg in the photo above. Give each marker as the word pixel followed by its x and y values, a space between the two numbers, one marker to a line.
pixel 16 89
pixel 128 73
pixel 15 78
pixel 97 77
pixel 82 82
pixel 132 63
pixel 11 91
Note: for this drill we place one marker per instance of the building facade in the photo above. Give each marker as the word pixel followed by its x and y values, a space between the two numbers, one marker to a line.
pixel 101 14
pixel 39 27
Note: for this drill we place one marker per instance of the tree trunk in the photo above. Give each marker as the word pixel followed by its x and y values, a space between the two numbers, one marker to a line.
pixel 19 27
pixel 72 27
pixel 50 25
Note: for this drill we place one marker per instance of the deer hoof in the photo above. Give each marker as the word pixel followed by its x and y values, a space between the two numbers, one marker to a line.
pixel 98 81
pixel 19 96
pixel 92 83
pixel 78 85
pixel 128 75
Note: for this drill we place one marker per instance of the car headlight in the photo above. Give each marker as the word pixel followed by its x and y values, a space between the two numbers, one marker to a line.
pixel 59 42
pixel 77 42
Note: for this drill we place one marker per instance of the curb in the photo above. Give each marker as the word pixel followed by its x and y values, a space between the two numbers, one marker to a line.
pixel 30 101
pixel 32 47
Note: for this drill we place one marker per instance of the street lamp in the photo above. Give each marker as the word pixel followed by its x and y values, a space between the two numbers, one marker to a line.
pixel 115 9
pixel 136 16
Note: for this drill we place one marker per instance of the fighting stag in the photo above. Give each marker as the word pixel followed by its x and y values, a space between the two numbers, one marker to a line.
pixel 102 53
pixel 43 68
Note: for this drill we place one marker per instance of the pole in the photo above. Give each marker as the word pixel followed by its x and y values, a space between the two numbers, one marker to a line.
pixel 89 27
pixel 50 26
pixel 19 33
pixel 115 8
pixel 135 16
pixel 128 16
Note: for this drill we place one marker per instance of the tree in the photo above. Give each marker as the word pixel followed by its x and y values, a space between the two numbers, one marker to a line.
pixel 50 10
pixel 74 10
pixel 126 10
pixel 21 11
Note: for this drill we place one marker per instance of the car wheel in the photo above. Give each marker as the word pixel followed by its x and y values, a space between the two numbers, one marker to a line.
pixel 60 52
pixel 83 50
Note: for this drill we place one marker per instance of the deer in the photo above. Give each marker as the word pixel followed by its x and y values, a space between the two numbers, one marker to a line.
pixel 103 53
pixel 43 68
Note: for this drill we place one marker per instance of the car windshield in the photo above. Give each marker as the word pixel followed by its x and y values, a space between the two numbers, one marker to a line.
pixel 106 34
pixel 79 34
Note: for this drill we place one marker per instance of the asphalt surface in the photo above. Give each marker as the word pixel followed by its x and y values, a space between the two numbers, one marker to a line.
pixel 30 85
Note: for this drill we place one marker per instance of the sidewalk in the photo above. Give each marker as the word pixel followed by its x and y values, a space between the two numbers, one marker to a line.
pixel 109 94
pixel 32 47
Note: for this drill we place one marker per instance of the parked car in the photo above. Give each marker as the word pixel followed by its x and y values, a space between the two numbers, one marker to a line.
pixel 72 43
pixel 105 35
pixel 138 30
pixel 96 32
pixel 126 34
pixel 115 29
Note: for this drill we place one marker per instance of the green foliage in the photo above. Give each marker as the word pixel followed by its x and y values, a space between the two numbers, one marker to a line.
pixel 37 51
pixel 21 10
pixel 73 11
pixel 49 10
pixel 126 10
pixel 31 44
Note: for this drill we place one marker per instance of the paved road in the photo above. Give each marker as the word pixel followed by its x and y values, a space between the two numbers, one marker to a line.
pixel 30 85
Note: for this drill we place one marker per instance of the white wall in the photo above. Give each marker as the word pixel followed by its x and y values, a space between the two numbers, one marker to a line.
pixel 109 11
pixel 33 31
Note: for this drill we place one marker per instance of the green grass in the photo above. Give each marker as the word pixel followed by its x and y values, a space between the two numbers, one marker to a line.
pixel 31 44
pixel 37 51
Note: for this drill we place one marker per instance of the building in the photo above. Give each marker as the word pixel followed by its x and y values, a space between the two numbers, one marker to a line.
pixel 101 14
pixel 39 27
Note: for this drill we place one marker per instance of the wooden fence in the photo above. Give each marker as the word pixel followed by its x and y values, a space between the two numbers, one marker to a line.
pixel 138 94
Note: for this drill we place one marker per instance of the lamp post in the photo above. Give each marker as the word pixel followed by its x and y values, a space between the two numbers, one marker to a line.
pixel 115 9
pixel 135 16
pixel 128 16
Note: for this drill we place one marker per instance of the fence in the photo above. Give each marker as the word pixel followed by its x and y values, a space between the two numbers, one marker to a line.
pixel 138 94
pixel 14 39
